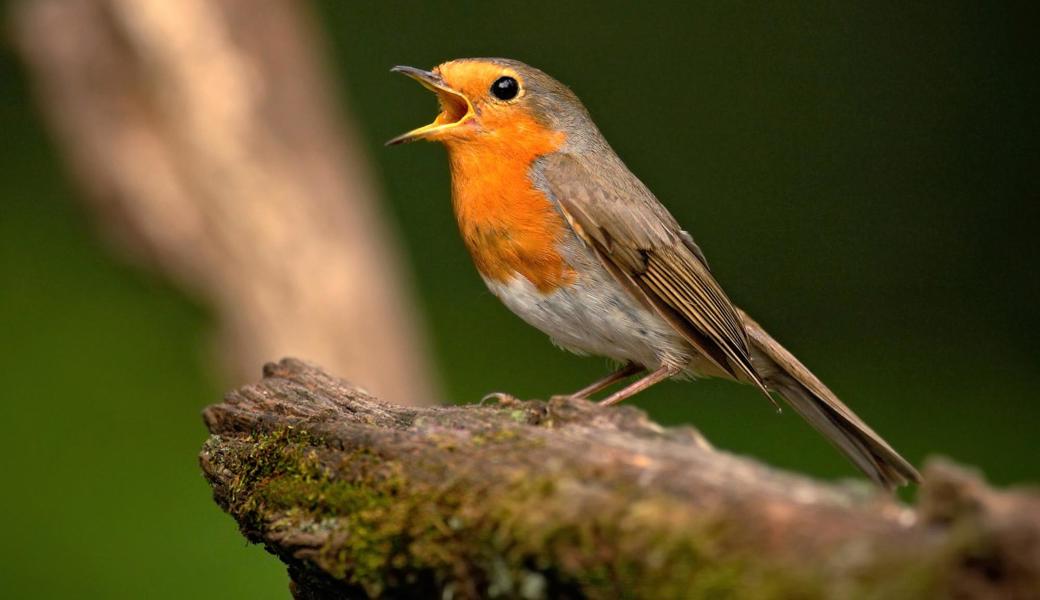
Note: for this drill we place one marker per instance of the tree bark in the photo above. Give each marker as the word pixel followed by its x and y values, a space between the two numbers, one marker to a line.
pixel 206 138
pixel 569 499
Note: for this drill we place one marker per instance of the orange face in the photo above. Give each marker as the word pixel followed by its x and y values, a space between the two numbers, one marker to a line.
pixel 476 98
pixel 510 228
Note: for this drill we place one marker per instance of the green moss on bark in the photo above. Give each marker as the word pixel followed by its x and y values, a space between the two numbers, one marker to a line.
pixel 566 499
pixel 385 531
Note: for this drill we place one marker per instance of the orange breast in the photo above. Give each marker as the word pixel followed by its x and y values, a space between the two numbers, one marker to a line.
pixel 509 227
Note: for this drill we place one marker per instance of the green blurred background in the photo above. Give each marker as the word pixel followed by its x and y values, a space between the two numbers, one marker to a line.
pixel 863 180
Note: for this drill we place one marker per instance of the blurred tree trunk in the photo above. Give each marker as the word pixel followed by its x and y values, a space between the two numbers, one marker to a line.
pixel 207 140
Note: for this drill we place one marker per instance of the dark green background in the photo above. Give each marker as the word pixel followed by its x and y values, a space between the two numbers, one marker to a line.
pixel 864 181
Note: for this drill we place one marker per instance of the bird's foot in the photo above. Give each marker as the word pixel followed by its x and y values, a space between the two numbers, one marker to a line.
pixel 500 397
pixel 566 397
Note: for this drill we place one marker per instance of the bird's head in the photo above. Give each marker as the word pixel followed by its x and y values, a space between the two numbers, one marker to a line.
pixel 496 100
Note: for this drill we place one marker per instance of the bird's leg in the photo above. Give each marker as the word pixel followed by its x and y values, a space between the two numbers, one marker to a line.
pixel 627 370
pixel 602 384
pixel 639 385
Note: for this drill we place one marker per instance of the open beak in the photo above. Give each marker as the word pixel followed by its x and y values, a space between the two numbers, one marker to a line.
pixel 456 109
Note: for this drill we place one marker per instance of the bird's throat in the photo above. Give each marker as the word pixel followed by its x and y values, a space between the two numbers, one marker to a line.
pixel 510 228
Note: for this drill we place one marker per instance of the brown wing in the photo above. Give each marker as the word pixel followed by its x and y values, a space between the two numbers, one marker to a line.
pixel 643 246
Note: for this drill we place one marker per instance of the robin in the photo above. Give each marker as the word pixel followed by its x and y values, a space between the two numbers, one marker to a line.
pixel 574 244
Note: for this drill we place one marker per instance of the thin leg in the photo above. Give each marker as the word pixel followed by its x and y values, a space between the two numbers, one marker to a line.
pixel 602 384
pixel 637 386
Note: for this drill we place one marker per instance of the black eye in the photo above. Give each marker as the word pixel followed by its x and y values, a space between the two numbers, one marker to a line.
pixel 505 88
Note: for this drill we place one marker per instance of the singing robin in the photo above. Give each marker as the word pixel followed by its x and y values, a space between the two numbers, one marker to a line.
pixel 574 244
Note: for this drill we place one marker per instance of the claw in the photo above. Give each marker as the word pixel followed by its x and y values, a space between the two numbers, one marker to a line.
pixel 566 398
pixel 501 397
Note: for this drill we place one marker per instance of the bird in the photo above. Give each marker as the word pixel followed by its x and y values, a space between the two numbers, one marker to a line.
pixel 572 242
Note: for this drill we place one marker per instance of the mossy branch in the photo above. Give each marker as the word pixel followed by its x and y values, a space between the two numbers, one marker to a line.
pixel 567 499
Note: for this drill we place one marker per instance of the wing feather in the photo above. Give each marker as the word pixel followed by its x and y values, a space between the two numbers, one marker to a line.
pixel 643 247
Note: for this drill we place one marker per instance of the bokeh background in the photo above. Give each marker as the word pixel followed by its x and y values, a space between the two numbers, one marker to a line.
pixel 862 178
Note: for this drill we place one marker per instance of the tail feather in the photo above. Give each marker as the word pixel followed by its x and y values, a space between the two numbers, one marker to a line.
pixel 819 406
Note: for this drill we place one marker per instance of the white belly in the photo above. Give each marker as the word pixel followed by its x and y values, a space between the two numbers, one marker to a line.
pixel 596 316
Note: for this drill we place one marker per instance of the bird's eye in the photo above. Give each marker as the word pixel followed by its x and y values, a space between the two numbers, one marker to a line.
pixel 505 88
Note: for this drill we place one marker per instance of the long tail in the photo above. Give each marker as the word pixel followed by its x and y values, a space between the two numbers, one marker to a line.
pixel 807 395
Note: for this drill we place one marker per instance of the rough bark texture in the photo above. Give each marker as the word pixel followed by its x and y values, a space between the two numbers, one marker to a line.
pixel 568 499
pixel 207 140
